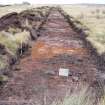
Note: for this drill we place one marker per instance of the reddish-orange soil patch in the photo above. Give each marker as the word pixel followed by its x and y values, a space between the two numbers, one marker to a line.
pixel 43 50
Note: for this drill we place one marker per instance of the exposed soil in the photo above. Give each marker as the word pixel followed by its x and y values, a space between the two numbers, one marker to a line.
pixel 37 81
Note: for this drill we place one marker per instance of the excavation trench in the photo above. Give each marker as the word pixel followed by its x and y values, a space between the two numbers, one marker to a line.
pixel 38 82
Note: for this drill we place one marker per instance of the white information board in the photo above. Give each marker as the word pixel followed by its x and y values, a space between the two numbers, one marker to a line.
pixel 63 72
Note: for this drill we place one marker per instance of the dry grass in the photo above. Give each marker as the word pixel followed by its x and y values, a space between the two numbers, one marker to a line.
pixel 102 101
pixel 3 62
pixel 22 37
pixel 16 8
pixel 82 97
pixel 92 17
pixel 12 42
pixel 14 30
pixel 85 96
pixel 8 42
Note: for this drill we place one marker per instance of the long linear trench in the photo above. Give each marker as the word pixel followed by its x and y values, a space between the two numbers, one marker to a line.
pixel 38 83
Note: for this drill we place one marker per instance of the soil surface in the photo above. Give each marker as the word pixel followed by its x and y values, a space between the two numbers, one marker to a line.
pixel 37 82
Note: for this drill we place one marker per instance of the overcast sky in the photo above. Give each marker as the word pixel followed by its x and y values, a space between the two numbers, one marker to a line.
pixel 52 1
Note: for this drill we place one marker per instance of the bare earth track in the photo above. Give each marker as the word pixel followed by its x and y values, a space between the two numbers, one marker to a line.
pixel 38 83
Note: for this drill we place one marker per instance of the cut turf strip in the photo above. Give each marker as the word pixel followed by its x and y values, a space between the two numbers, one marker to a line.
pixel 38 82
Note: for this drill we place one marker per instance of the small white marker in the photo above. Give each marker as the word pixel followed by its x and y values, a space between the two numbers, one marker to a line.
pixel 63 72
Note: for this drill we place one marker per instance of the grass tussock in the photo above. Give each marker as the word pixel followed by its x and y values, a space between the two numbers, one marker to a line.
pixel 102 101
pixel 3 62
pixel 82 97
pixel 14 30
pixel 8 42
pixel 85 96
pixel 22 37
pixel 12 40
